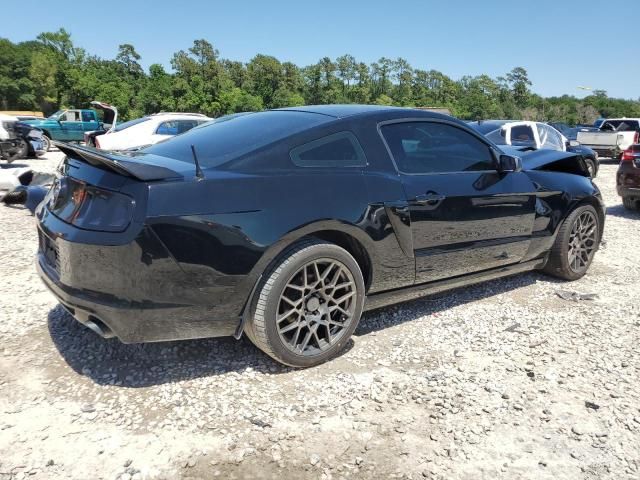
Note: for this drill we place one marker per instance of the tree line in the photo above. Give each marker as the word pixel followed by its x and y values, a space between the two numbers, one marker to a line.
pixel 50 73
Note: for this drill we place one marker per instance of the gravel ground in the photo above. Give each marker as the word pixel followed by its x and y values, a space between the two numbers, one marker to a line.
pixel 501 380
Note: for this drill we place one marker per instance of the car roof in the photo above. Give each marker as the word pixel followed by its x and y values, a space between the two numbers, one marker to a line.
pixel 195 116
pixel 349 110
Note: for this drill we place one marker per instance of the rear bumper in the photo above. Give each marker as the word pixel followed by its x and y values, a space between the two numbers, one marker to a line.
pixel 628 191
pixel 130 292
pixel 607 152
pixel 628 179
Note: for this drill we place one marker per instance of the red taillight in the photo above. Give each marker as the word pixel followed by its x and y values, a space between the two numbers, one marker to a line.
pixel 627 155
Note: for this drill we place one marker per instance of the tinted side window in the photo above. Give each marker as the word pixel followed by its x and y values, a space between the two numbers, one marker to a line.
pixel 167 128
pixel 337 150
pixel 424 147
pixel 186 125
pixel 87 116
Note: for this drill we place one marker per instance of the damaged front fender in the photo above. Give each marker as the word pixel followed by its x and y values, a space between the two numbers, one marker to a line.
pixel 555 161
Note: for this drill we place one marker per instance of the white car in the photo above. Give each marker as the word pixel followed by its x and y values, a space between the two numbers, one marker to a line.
pixel 527 135
pixel 148 130
pixel 522 133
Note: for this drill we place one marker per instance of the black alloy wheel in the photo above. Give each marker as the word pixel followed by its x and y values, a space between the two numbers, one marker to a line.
pixel 309 304
pixel 575 245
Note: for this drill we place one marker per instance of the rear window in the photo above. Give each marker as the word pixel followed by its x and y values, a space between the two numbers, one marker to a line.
pixel 621 125
pixel 130 123
pixel 218 142
pixel 497 137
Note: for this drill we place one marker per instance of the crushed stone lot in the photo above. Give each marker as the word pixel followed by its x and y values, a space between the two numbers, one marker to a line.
pixel 524 377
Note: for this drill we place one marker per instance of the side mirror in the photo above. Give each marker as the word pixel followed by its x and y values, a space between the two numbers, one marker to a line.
pixel 508 163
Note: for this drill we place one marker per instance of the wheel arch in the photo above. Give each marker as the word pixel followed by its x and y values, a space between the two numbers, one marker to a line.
pixel 345 235
pixel 348 236
pixel 592 201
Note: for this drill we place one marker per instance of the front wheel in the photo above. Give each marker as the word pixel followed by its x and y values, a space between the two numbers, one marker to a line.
pixel 46 143
pixel 576 244
pixel 20 151
pixel 308 305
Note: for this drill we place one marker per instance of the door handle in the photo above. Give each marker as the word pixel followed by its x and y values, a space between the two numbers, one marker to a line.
pixel 429 199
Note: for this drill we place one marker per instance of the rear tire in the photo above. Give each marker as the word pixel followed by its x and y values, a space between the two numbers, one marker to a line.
pixel 308 304
pixel 576 244
pixel 630 203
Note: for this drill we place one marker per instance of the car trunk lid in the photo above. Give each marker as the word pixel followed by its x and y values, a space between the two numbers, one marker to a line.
pixel 109 114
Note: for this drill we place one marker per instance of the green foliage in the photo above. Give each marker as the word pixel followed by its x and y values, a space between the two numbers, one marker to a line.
pixel 50 72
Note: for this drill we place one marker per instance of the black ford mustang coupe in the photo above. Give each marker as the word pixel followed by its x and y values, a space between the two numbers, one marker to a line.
pixel 287 224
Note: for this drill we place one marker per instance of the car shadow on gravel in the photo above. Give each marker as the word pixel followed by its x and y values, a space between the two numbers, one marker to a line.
pixel 111 362
pixel 386 317
pixel 620 211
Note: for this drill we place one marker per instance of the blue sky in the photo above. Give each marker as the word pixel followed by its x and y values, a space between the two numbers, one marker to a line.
pixel 561 43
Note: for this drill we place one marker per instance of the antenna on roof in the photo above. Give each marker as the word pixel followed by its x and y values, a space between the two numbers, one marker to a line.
pixel 199 172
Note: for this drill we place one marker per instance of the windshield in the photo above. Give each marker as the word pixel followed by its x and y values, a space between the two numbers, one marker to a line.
pixel 56 115
pixel 487 126
pixel 218 142
pixel 497 137
pixel 130 123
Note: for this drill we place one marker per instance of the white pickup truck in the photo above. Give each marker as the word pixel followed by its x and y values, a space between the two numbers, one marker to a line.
pixel 614 136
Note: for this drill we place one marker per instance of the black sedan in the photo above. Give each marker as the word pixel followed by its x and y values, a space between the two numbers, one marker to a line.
pixel 287 224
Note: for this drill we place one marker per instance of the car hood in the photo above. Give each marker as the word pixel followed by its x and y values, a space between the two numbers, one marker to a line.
pixel 553 160
pixel 40 123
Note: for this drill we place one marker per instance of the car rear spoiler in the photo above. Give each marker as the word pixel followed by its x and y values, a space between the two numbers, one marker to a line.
pixel 117 163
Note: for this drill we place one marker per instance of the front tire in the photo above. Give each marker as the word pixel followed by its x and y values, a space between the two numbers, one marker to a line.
pixel 22 151
pixel 46 143
pixel 308 305
pixel 576 244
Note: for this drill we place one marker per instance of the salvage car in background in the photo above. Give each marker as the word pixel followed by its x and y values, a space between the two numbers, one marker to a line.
pixel 148 130
pixel 534 135
pixel 67 125
pixel 18 139
pixel 109 122
pixel 628 177
pixel 287 224
pixel 614 136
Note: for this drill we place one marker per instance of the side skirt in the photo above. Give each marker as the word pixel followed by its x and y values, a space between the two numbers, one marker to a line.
pixel 383 299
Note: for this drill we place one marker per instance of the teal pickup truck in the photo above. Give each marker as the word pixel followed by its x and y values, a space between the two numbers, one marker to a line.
pixel 71 125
